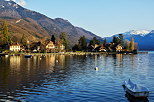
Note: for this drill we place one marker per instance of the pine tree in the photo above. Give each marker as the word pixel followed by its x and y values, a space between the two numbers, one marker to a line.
pixel 115 40
pixel 127 45
pixel 104 42
pixel 64 40
pixel 5 36
pixel 82 44
pixel 121 39
pixel 75 47
pixel 132 45
pixel 53 39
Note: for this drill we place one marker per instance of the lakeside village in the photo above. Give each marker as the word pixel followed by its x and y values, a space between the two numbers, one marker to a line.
pixel 62 45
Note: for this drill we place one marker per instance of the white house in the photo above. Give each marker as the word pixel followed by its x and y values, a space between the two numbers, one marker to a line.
pixel 15 47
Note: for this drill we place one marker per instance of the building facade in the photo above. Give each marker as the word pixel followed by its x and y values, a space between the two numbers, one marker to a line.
pixel 15 47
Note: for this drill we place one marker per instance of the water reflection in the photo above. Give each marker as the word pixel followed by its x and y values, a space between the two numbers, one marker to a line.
pixel 15 62
pixel 18 73
pixel 69 77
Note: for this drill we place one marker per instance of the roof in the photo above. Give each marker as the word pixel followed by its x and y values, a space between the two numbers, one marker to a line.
pixel 15 44
pixel 119 45
pixel 50 42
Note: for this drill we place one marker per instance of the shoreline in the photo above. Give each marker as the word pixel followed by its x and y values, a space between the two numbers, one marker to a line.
pixel 74 53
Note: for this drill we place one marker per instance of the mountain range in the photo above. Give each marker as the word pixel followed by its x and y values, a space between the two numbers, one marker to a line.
pixel 36 26
pixel 144 38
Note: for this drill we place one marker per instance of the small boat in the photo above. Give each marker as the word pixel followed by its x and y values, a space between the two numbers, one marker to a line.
pixel 135 90
pixel 28 56
pixel 133 99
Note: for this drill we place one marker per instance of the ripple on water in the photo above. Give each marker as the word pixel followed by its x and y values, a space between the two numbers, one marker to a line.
pixel 73 78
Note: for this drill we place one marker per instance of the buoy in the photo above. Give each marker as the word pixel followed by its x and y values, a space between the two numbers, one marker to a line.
pixel 96 69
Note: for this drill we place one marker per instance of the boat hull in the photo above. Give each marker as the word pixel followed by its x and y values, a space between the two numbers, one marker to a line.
pixel 136 94
pixel 28 56
pixel 134 99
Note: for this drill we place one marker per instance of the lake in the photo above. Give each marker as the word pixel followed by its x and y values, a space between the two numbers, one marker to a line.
pixel 73 78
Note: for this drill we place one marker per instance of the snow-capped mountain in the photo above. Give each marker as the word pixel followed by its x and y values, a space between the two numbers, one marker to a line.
pixel 137 32
pixel 144 38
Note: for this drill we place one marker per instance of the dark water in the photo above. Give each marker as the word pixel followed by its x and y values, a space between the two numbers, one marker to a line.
pixel 67 78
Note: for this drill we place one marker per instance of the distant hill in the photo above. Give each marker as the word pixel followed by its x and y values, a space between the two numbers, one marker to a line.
pixel 144 38
pixel 25 27
pixel 36 25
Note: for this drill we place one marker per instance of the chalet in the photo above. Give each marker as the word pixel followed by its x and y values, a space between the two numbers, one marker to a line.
pixel 15 47
pixel 50 47
pixel 61 47
pixel 95 47
pixel 119 48
pixel 100 48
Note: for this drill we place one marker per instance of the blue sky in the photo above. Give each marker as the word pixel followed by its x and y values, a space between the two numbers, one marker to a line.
pixel 102 17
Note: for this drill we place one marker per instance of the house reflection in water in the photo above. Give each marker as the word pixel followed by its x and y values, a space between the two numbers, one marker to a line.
pixel 133 59
pixel 15 62
pixel 56 62
pixel 119 58
pixel 50 60
pixel 61 61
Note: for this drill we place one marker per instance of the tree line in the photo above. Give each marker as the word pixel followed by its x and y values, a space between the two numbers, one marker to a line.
pixel 85 45
pixel 82 45
pixel 5 38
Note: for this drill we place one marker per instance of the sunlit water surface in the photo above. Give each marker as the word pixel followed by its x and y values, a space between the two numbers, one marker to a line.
pixel 68 78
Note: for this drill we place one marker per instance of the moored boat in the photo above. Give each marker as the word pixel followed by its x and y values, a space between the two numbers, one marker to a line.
pixel 28 56
pixel 135 90
pixel 133 99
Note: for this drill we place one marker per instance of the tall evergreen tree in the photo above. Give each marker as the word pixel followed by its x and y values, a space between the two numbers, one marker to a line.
pixel 115 40
pixel 53 39
pixel 82 44
pixel 94 41
pixel 5 38
pixel 91 43
pixel 75 47
pixel 132 45
pixel 127 45
pixel 104 42
pixel 97 41
pixel 121 39
pixel 64 40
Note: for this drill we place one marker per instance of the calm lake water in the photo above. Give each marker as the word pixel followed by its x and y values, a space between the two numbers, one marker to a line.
pixel 68 78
